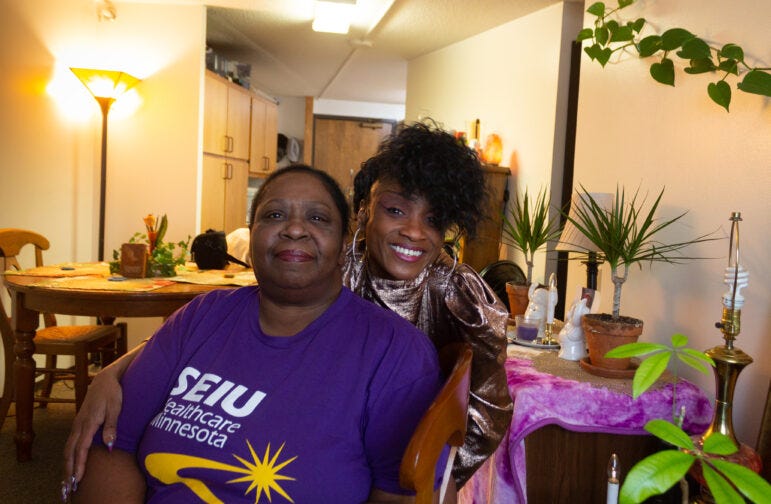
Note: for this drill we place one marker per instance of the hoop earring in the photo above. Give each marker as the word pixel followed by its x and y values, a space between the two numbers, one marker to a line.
pixel 353 243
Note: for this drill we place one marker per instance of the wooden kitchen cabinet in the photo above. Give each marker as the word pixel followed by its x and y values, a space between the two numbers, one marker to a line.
pixel 264 136
pixel 223 202
pixel 227 118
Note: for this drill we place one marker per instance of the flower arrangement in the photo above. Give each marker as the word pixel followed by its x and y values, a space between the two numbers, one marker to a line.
pixel 161 260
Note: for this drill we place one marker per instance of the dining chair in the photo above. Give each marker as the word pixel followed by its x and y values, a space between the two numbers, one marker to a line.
pixel 443 423
pixel 78 341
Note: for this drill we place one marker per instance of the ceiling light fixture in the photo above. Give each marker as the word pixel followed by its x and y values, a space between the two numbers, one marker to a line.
pixel 333 16
pixel 105 10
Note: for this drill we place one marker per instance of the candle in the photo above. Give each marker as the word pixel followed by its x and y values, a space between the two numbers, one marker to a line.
pixel 552 300
pixel 613 480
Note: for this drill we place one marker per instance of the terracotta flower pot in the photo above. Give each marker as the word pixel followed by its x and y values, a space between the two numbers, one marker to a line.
pixel 518 299
pixel 603 334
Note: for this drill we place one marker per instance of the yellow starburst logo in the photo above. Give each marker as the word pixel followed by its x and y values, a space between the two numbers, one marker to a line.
pixel 262 474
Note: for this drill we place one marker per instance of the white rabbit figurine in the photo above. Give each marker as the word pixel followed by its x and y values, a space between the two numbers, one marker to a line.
pixel 571 337
pixel 536 308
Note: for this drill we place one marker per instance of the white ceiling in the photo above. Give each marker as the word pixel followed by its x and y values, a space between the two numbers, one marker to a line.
pixel 368 64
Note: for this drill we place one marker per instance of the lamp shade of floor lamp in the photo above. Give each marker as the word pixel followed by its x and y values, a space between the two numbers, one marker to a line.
pixel 105 86
pixel 573 240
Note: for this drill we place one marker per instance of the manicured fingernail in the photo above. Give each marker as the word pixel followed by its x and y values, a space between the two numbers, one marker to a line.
pixel 74 483
pixel 109 445
pixel 65 491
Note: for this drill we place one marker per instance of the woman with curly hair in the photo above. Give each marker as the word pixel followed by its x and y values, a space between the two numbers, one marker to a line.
pixel 421 186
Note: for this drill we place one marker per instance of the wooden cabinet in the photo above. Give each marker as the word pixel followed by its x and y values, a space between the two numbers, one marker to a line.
pixel 484 249
pixel 223 202
pixel 264 134
pixel 227 118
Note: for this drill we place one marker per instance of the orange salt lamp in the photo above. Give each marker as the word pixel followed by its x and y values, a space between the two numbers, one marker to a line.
pixel 493 151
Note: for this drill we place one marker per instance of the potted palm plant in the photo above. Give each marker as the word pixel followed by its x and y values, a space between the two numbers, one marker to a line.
pixel 624 235
pixel 527 227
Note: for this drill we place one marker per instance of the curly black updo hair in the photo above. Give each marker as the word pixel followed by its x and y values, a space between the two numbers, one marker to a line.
pixel 429 162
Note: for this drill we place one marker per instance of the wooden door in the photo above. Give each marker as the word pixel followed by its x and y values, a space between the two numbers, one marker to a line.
pixel 340 145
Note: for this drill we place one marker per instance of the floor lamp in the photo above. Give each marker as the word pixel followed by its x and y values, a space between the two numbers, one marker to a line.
pixel 105 86
pixel 573 240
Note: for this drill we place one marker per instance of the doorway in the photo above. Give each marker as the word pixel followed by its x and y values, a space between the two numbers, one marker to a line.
pixel 342 144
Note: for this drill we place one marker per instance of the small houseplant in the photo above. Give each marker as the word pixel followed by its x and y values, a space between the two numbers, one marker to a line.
pixel 660 471
pixel 161 258
pixel 624 235
pixel 527 227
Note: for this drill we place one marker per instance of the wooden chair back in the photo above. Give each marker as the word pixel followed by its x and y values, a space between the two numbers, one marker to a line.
pixel 443 423
pixel 11 242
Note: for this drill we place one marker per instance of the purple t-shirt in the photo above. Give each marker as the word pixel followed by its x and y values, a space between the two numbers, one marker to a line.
pixel 213 407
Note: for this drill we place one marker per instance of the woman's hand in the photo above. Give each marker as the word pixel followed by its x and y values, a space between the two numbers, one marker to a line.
pixel 101 406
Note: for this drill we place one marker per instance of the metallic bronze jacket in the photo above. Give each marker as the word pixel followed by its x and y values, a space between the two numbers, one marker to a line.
pixel 453 304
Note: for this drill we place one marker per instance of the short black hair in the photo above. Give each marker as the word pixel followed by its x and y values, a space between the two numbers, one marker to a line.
pixel 429 162
pixel 329 183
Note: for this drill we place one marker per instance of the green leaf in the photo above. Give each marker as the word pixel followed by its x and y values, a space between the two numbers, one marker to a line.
pixel 622 34
pixel 674 38
pixel 649 371
pixel 720 92
pixel 719 444
pixel 654 475
pixel 670 433
pixel 679 340
pixel 720 489
pixel 596 9
pixel 756 82
pixel 602 55
pixel 649 45
pixel 664 72
pixel 638 24
pixel 601 34
pixel 688 359
pixel 635 349
pixel 701 65
pixel 732 51
pixel 729 66
pixel 694 48
pixel 747 481
pixel 624 3
pixel 584 34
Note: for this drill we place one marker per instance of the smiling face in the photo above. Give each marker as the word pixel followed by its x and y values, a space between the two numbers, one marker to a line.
pixel 297 240
pixel 402 238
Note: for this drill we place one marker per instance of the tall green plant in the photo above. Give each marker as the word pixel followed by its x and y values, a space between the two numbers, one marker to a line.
pixel 657 473
pixel 611 34
pixel 527 226
pixel 626 235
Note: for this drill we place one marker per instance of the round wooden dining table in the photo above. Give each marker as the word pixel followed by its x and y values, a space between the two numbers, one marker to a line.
pixel 32 296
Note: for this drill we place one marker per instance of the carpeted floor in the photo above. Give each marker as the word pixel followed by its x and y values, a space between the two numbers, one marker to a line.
pixel 36 481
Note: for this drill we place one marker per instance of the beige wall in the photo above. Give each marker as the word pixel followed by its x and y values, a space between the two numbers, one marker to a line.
pixel 513 79
pixel 636 132
pixel 50 163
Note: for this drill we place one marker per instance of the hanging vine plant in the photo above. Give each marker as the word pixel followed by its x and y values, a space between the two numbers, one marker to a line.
pixel 611 34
